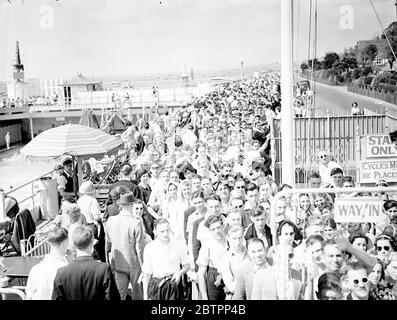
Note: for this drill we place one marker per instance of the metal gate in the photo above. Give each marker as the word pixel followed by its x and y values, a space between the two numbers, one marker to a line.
pixel 340 136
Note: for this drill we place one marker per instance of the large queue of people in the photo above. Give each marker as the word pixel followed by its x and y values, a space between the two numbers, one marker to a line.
pixel 190 217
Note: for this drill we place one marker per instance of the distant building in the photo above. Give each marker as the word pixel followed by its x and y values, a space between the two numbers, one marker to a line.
pixel 380 63
pixel 79 84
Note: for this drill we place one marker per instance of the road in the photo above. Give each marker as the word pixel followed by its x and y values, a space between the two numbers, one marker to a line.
pixel 337 101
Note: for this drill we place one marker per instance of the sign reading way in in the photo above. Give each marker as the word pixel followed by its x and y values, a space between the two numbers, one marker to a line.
pixel 372 171
pixel 380 146
pixel 359 209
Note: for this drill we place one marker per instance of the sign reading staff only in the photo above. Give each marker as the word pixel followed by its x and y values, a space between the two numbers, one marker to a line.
pixel 359 209
pixel 380 146
pixel 381 160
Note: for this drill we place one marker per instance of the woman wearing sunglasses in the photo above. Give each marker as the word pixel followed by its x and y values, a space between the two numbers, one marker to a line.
pixel 384 245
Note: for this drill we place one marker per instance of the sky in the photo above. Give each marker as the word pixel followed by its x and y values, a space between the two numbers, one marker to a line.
pixel 131 37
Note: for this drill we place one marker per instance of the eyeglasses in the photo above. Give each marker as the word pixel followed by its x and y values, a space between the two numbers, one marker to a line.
pixel 386 248
pixel 357 281
pixel 239 187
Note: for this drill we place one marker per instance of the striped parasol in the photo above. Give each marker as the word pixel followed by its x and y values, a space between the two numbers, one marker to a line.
pixel 74 140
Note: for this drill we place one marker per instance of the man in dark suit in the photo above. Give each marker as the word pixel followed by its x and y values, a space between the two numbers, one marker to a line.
pixel 84 278
pixel 125 180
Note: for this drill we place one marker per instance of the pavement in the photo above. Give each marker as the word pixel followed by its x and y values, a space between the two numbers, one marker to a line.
pixel 336 100
pixel 4 151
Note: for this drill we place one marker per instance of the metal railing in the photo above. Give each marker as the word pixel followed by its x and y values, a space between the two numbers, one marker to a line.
pixel 3 213
pixel 340 136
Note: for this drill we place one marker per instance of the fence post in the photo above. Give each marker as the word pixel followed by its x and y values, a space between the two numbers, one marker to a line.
pixel 357 138
pixel 3 213
pixel 273 150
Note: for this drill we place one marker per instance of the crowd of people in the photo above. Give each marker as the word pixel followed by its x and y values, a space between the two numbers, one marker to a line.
pixel 30 101
pixel 190 217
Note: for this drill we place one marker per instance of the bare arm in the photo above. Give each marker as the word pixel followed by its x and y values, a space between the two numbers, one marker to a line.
pixel 364 257
pixel 145 282
pixel 201 282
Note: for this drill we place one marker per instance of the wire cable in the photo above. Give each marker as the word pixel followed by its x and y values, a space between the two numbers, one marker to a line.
pixel 383 30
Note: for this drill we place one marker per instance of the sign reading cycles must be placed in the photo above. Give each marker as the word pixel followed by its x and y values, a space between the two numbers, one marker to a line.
pixel 372 171
pixel 360 209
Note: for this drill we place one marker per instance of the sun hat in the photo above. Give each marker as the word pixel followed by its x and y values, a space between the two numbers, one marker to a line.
pixel 127 198
pixel 87 187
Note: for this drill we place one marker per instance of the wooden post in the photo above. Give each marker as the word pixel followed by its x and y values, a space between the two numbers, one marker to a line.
pixel 3 213
pixel 357 138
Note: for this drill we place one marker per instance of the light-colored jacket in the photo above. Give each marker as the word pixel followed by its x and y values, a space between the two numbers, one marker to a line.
pixel 126 241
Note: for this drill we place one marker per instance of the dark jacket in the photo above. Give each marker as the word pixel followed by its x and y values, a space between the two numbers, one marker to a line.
pixel 195 241
pixel 85 279
pixel 251 233
pixel 186 216
pixel 24 227
pixel 129 185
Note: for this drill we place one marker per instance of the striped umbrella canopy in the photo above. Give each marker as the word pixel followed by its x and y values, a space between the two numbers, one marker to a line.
pixel 74 140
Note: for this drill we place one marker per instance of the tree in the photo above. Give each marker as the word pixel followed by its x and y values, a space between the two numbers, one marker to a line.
pixel 329 59
pixel 371 51
pixel 368 53
pixel 388 54
pixel 350 62
pixel 315 63
pixel 339 66
pixel 304 67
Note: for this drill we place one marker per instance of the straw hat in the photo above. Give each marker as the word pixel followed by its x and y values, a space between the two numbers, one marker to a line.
pixel 87 187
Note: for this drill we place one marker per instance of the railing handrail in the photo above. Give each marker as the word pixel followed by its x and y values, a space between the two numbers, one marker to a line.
pixel 29 182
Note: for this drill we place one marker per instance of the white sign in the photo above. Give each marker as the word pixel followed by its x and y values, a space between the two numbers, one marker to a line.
pixel 372 171
pixel 60 119
pixel 359 209
pixel 380 146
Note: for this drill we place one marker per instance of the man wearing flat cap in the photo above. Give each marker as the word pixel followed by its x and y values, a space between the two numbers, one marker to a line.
pixel 125 243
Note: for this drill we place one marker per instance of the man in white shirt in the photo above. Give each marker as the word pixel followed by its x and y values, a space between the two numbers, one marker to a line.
pixel 41 277
pixel 210 260
pixel 88 204
pixel 325 167
pixel 189 138
pixel 161 268
pixel 89 207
